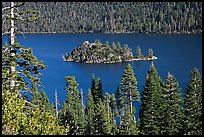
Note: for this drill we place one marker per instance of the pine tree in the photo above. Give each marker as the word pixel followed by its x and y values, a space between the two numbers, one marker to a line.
pixel 93 88
pixel 114 47
pixel 96 89
pixel 107 44
pixel 119 98
pixel 73 108
pixel 172 115
pixel 150 53
pixel 193 105
pixel 130 95
pixel 119 102
pixel 114 113
pixel 89 114
pixel 20 73
pixel 106 115
pixel 138 52
pixel 113 108
pixel 150 108
pixel 98 118
pixel 129 87
pixel 99 90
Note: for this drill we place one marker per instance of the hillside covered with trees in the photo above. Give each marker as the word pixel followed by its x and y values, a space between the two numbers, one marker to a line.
pixel 113 17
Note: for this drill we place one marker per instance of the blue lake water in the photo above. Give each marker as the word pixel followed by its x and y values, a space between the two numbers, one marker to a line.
pixel 177 54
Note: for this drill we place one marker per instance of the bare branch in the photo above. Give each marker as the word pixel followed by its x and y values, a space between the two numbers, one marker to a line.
pixel 5 33
pixel 6 8
pixel 17 5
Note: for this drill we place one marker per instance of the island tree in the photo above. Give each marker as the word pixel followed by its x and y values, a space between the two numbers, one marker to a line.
pixel 150 53
pixel 138 52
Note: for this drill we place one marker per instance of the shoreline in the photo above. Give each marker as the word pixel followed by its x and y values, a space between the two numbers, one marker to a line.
pixel 196 32
pixel 113 62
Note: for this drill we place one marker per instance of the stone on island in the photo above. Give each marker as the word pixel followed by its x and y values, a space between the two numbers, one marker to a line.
pixel 102 53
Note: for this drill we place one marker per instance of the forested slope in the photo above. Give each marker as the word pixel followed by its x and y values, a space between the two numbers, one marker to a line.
pixel 113 17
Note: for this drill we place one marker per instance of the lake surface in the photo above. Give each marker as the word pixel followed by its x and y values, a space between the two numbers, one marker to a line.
pixel 177 54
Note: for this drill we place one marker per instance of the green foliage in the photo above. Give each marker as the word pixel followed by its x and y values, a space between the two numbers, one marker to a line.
pixel 172 112
pixel 150 53
pixel 96 89
pixel 129 84
pixel 114 47
pixel 130 95
pixel 106 115
pixel 89 114
pixel 99 90
pixel 107 43
pixel 26 64
pixel 111 17
pixel 98 118
pixel 20 116
pixel 193 105
pixel 138 52
pixel 150 109
pixel 73 110
pixel 99 53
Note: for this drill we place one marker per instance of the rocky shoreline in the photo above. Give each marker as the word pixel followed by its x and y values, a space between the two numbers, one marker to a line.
pixel 103 53
pixel 112 62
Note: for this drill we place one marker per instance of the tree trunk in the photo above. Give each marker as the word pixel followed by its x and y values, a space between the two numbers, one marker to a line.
pixel 12 40
pixel 56 104
pixel 130 104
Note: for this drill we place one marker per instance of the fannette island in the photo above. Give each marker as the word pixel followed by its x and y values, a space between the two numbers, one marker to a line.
pixel 104 53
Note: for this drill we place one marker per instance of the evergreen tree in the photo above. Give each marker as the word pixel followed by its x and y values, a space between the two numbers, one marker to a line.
pixel 193 105
pixel 130 95
pixel 89 114
pixel 113 106
pixel 119 48
pixel 96 89
pixel 119 99
pixel 106 115
pixel 150 109
pixel 114 47
pixel 114 113
pixel 172 115
pixel 98 118
pixel 150 53
pixel 99 90
pixel 20 73
pixel 129 87
pixel 74 108
pixel 138 52
pixel 119 103
pixel 64 116
pixel 107 43
pixel 93 88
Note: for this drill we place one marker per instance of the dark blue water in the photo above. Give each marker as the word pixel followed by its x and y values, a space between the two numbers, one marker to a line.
pixel 177 54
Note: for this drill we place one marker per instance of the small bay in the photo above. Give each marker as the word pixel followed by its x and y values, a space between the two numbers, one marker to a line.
pixel 177 54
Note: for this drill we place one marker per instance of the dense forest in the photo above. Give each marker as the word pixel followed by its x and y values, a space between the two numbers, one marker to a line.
pixel 112 17
pixel 163 110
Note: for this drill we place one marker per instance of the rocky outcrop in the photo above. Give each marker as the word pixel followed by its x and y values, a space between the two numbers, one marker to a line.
pixel 101 53
pixel 98 53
